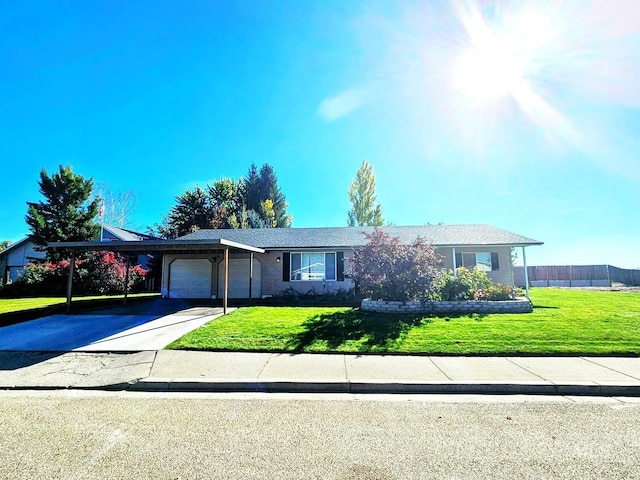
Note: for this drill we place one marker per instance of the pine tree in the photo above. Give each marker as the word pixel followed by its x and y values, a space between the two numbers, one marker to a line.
pixel 193 211
pixel 66 214
pixel 260 186
pixel 362 195
pixel 252 189
pixel 269 190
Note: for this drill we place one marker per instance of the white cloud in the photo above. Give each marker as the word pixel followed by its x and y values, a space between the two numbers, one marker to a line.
pixel 342 104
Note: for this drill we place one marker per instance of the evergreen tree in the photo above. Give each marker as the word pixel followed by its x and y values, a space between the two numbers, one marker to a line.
pixel 253 202
pixel 193 211
pixel 268 190
pixel 228 197
pixel 66 214
pixel 362 195
pixel 252 189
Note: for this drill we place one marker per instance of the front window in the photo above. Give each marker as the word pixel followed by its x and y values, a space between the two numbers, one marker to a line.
pixel 313 266
pixel 483 261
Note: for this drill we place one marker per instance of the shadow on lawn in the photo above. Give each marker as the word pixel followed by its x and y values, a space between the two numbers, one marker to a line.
pixel 375 329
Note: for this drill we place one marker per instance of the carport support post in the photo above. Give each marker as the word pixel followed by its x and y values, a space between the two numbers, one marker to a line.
pixel 226 281
pixel 250 276
pixel 526 273
pixel 455 267
pixel 72 264
pixel 126 279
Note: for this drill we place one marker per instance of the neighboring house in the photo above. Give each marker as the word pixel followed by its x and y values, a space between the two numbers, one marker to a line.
pixel 16 256
pixel 314 259
pixel 112 234
pixel 115 234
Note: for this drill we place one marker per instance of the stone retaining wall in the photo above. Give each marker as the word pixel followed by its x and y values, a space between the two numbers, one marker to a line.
pixel 520 305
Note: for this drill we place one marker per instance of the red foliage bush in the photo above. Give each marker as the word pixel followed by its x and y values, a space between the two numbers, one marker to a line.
pixel 97 273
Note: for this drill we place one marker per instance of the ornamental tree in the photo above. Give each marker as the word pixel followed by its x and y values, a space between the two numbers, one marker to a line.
pixel 385 269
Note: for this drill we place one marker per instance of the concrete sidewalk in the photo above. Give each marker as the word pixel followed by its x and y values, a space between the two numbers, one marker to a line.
pixel 167 370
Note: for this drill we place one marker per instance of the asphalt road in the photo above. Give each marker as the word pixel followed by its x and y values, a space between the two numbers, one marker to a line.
pixel 76 435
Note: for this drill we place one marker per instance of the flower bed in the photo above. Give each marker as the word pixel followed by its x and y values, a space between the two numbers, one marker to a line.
pixel 519 305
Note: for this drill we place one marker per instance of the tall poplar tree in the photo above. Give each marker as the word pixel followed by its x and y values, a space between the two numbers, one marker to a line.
pixel 66 214
pixel 362 195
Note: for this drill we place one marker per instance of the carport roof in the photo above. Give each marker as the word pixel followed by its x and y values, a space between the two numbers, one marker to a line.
pixel 165 246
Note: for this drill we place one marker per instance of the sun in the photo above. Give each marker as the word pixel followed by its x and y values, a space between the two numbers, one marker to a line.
pixel 489 70
pixel 498 55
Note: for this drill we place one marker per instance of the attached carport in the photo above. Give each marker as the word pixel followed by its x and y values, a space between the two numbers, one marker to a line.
pixel 213 246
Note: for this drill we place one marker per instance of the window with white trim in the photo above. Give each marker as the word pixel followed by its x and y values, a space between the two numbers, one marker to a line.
pixel 308 266
pixel 483 261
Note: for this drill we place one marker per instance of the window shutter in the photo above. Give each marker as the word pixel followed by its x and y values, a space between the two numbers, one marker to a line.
pixel 340 266
pixel 495 265
pixel 286 266
pixel 458 260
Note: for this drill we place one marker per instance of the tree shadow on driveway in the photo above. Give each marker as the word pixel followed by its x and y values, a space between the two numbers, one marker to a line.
pixel 374 330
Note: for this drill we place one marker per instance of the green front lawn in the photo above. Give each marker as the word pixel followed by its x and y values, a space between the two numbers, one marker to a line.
pixel 563 322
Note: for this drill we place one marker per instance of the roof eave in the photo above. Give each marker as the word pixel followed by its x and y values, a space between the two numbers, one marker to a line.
pixel 155 245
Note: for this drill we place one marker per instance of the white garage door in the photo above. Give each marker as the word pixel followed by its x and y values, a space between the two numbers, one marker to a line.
pixel 190 278
pixel 239 278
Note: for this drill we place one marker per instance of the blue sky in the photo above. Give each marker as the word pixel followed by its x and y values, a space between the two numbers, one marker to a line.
pixel 518 115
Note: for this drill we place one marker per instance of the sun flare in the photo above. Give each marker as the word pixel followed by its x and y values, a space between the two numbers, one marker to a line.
pixel 499 55
pixel 490 70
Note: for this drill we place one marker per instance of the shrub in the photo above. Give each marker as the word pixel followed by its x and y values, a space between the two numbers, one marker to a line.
pixel 97 273
pixel 463 286
pixel 496 291
pixel 387 270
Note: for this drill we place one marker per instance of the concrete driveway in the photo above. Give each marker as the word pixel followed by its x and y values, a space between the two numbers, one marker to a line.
pixel 142 326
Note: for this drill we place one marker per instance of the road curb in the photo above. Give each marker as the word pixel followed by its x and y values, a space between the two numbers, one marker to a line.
pixel 176 385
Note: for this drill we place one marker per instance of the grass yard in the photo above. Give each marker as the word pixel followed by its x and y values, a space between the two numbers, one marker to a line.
pixel 563 322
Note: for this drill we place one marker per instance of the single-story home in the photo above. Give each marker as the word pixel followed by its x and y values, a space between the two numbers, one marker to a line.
pixel 258 263
pixel 16 256
pixel 313 259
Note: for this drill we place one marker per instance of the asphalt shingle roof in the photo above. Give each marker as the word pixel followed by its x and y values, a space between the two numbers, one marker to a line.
pixel 437 235
pixel 127 235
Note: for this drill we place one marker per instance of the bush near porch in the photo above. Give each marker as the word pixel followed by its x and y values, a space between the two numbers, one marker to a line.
pixel 574 322
pixel 385 269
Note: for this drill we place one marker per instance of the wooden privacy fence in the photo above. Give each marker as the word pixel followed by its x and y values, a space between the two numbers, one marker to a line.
pixel 576 276
pixel 625 276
